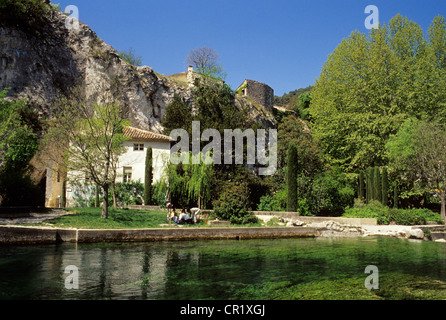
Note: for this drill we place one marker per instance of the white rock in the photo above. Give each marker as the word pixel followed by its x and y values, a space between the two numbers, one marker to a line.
pixel 416 234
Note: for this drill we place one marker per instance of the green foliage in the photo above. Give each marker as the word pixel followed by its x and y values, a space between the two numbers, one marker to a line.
pixel 130 57
pixel 371 84
pixel 385 187
pixel 291 98
pixel 28 13
pixel 417 152
pixel 91 139
pixel 178 115
pixel 296 131
pixel 88 218
pixel 190 184
pixel 330 193
pixel 19 140
pixel 233 205
pixel 361 186
pixel 385 215
pixel 129 193
pixel 148 179
pixel 159 193
pixel 377 184
pixel 292 168
pixel 276 202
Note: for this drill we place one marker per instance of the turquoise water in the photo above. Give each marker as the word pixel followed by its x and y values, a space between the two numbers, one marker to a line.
pixel 190 270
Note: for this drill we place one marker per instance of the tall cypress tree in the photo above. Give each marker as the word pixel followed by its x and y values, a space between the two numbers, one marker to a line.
pixel 361 186
pixel 395 196
pixel 377 185
pixel 292 178
pixel 385 187
pixel 369 186
pixel 148 177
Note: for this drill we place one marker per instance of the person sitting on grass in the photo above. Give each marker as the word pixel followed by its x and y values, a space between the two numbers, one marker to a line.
pixel 173 216
pixel 184 217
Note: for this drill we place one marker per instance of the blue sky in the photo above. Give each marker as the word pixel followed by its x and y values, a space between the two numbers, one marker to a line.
pixel 283 43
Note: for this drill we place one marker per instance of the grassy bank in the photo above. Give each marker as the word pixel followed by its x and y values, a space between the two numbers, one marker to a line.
pixel 385 215
pixel 90 218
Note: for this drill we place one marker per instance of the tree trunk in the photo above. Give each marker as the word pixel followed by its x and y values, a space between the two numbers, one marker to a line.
pixel 443 209
pixel 105 202
pixel 96 196
pixel 114 195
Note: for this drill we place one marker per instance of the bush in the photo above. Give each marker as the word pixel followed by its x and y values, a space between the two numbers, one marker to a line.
pixel 329 194
pixel 30 13
pixel 277 202
pixel 159 191
pixel 233 205
pixel 385 215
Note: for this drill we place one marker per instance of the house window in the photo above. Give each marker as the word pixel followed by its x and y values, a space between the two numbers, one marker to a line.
pixel 138 147
pixel 127 174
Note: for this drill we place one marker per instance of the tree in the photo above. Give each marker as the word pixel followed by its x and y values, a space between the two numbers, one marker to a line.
pixel 292 167
pixel 148 180
pixel 19 135
pixel 361 186
pixel 419 149
pixel 178 115
pixel 371 84
pixel 90 139
pixel 369 185
pixel 385 187
pixel 199 182
pixel 377 184
pixel 205 62
pixel 191 183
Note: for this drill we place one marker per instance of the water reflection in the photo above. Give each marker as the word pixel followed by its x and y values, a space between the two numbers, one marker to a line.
pixel 202 270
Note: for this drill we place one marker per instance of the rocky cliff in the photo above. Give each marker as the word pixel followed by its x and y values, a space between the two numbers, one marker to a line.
pixel 41 63
pixel 44 63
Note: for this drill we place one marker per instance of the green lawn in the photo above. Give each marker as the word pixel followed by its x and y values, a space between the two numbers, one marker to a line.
pixel 90 218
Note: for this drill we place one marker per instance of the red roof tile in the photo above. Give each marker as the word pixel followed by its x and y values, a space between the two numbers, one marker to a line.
pixel 144 135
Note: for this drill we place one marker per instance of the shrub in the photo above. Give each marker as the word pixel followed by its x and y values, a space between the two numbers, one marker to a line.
pixel 30 13
pixel 130 193
pixel 292 168
pixel 159 191
pixel 330 193
pixel 385 215
pixel 277 202
pixel 233 205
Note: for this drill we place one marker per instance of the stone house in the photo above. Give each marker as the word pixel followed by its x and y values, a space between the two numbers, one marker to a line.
pixel 260 93
pixel 131 168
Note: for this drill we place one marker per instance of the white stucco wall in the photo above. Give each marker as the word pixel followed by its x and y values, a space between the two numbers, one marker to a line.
pixel 79 188
pixel 137 160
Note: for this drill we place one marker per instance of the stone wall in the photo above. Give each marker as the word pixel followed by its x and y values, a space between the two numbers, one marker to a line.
pixel 35 235
pixel 259 92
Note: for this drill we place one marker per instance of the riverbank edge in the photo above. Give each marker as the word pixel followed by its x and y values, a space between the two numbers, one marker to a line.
pixel 43 235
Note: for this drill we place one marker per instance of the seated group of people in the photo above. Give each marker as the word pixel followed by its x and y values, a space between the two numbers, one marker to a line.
pixel 184 217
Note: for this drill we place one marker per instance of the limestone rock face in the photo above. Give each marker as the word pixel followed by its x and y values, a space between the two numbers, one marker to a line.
pixel 43 64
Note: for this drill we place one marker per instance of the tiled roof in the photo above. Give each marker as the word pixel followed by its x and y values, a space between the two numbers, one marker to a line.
pixel 144 135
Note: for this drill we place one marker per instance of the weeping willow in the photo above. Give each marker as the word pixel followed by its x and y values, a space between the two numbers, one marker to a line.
pixel 191 183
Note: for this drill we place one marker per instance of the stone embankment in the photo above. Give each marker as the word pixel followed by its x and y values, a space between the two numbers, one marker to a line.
pixel 347 227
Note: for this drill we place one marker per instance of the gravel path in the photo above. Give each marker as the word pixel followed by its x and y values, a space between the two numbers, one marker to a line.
pixel 34 217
